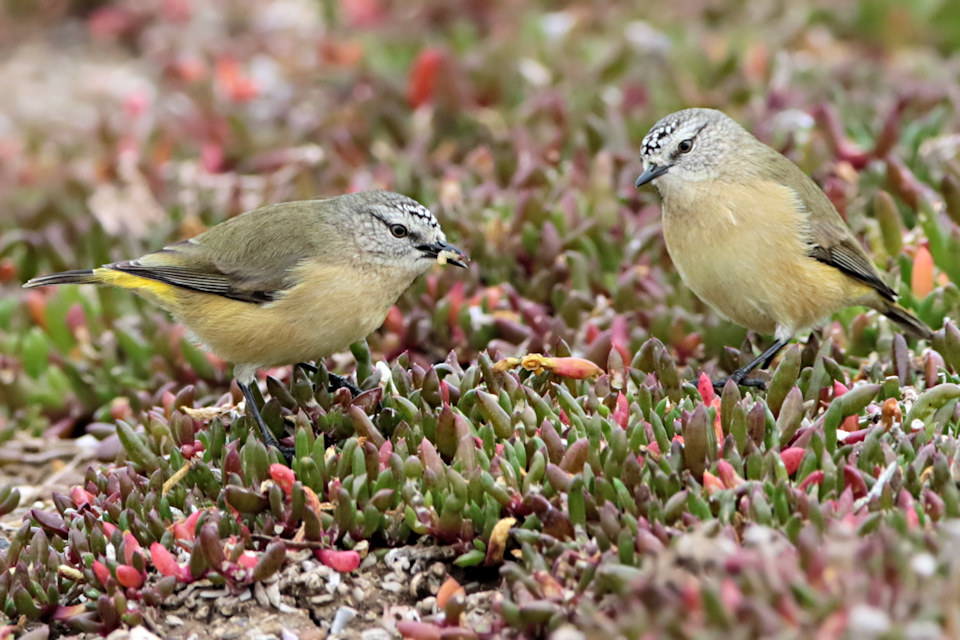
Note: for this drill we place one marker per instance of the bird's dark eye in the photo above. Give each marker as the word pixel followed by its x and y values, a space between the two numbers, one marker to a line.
pixel 398 231
pixel 685 146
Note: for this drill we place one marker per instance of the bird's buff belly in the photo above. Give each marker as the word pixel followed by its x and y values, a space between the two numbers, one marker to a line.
pixel 790 291
pixel 304 323
pixel 278 333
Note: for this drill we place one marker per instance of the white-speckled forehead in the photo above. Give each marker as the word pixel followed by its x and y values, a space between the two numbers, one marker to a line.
pixel 682 124
pixel 400 208
pixel 416 211
pixel 388 207
pixel 653 141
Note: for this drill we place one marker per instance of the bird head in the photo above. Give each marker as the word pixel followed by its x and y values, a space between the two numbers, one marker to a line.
pixel 393 231
pixel 690 146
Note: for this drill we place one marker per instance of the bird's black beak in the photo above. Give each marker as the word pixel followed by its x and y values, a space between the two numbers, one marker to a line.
pixel 654 171
pixel 445 253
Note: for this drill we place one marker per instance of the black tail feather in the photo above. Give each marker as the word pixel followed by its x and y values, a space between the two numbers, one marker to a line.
pixel 78 276
pixel 911 323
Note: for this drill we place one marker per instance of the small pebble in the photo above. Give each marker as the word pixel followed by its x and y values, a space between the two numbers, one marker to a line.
pixel 567 633
pixel 392 587
pixel 427 606
pixel 273 595
pixel 868 622
pixel 922 630
pixel 924 564
pixel 333 581
pixel 341 619
pixel 261 595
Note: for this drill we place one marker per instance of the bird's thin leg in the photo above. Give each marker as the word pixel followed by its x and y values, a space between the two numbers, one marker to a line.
pixel 740 375
pixel 766 363
pixel 309 368
pixel 268 438
pixel 336 382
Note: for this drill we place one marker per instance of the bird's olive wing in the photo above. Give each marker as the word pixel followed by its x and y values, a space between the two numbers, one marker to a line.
pixel 828 237
pixel 182 265
pixel 851 260
pixel 247 258
pixel 831 241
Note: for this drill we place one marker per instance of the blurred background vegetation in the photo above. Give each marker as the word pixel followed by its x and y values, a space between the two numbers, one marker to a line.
pixel 129 124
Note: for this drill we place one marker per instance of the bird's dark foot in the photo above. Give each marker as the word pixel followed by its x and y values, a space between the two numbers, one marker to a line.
pixel 740 381
pixel 335 381
pixel 740 375
pixel 340 382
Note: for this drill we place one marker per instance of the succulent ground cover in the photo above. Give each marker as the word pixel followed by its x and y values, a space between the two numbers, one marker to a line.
pixel 538 448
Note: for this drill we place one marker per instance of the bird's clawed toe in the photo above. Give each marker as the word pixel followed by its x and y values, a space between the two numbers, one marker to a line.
pixel 740 381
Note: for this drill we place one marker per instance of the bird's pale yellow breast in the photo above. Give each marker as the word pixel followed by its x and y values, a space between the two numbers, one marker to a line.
pixel 743 250
pixel 329 308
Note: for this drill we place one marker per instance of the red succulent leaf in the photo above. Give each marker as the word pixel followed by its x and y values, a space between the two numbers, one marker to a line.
pixel 235 83
pixel 247 560
pixel 907 504
pixel 186 530
pixel 66 613
pixel 101 571
pixel 423 76
pixel 815 477
pixel 81 496
pixel 283 476
pixel 621 412
pixel 386 449
pixel 342 561
pixel 363 13
pixel 711 483
pixel 620 337
pixel 129 577
pixel 728 475
pixel 791 458
pixel 705 387
pixel 416 630
pixel 921 278
pixel 166 564
pixel 131 546
pixel 854 480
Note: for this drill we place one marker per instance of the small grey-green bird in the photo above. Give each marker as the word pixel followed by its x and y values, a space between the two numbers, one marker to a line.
pixel 753 236
pixel 286 283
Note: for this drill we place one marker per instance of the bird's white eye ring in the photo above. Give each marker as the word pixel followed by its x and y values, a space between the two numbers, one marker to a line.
pixel 398 231
pixel 685 146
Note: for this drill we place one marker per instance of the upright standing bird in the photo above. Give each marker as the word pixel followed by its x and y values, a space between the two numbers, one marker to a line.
pixel 753 236
pixel 288 282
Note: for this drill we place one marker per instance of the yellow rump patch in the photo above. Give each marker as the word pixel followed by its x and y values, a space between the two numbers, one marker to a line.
pixel 147 286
